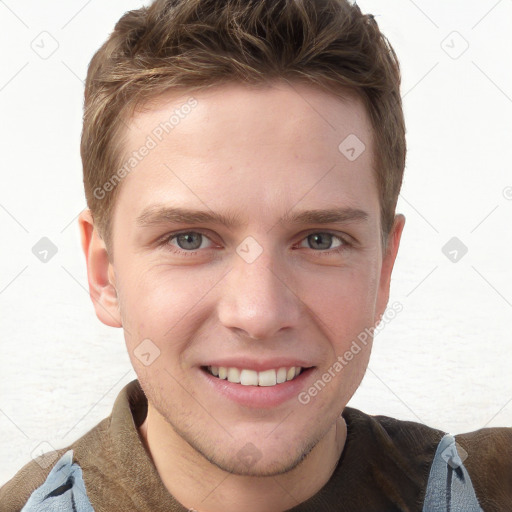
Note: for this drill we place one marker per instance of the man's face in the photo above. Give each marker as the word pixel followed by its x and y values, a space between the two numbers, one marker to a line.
pixel 262 293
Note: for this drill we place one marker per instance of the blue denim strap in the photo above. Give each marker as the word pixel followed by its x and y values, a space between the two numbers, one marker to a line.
pixel 449 487
pixel 62 491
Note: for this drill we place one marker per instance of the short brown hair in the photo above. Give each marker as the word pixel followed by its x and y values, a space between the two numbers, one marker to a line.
pixel 188 45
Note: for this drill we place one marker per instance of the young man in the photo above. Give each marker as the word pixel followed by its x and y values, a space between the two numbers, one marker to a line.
pixel 242 163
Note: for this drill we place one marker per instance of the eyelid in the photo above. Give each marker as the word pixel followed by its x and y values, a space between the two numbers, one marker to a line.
pixel 345 239
pixel 344 244
pixel 169 236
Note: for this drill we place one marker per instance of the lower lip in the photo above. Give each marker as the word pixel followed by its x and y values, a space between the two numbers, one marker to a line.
pixel 261 397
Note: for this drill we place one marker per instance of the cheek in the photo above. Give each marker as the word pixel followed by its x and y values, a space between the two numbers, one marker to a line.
pixel 161 303
pixel 344 301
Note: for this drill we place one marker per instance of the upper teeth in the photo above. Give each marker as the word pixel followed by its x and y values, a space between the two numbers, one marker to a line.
pixel 254 378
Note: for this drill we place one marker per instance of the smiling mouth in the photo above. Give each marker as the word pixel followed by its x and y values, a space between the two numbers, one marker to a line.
pixel 247 377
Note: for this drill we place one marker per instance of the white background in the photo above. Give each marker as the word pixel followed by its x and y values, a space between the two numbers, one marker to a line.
pixel 444 360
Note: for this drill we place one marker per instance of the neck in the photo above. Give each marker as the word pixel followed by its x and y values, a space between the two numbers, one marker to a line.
pixel 197 483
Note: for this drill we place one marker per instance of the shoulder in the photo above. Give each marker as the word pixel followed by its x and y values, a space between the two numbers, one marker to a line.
pixel 395 456
pixel 409 437
pixel 37 474
pixel 16 492
pixel 487 455
pixel 91 463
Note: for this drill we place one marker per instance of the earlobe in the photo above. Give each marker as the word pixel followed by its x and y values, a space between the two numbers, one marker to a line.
pixel 100 272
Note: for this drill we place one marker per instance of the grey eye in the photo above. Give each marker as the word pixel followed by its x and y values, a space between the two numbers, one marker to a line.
pixel 322 241
pixel 189 241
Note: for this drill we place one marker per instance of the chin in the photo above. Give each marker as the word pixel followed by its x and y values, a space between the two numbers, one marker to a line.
pixel 247 462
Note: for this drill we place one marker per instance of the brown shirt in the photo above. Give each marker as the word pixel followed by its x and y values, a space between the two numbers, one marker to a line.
pixel 384 466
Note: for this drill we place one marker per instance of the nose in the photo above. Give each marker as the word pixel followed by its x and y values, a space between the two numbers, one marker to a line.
pixel 257 299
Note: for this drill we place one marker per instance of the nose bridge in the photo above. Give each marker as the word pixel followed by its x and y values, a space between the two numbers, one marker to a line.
pixel 255 297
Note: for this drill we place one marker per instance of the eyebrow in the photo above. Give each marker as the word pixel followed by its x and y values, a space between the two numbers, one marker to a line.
pixel 157 215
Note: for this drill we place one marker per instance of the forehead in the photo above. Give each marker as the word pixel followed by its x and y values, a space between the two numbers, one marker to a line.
pixel 258 149
pixel 276 113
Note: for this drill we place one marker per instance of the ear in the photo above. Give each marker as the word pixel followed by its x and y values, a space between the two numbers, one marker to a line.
pixel 100 272
pixel 388 262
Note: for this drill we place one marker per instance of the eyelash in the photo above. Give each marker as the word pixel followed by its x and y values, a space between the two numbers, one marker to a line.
pixel 165 243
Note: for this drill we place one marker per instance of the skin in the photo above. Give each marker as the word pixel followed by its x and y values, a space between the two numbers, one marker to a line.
pixel 259 154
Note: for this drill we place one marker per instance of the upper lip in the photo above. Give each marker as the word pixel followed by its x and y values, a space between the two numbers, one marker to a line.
pixel 258 365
